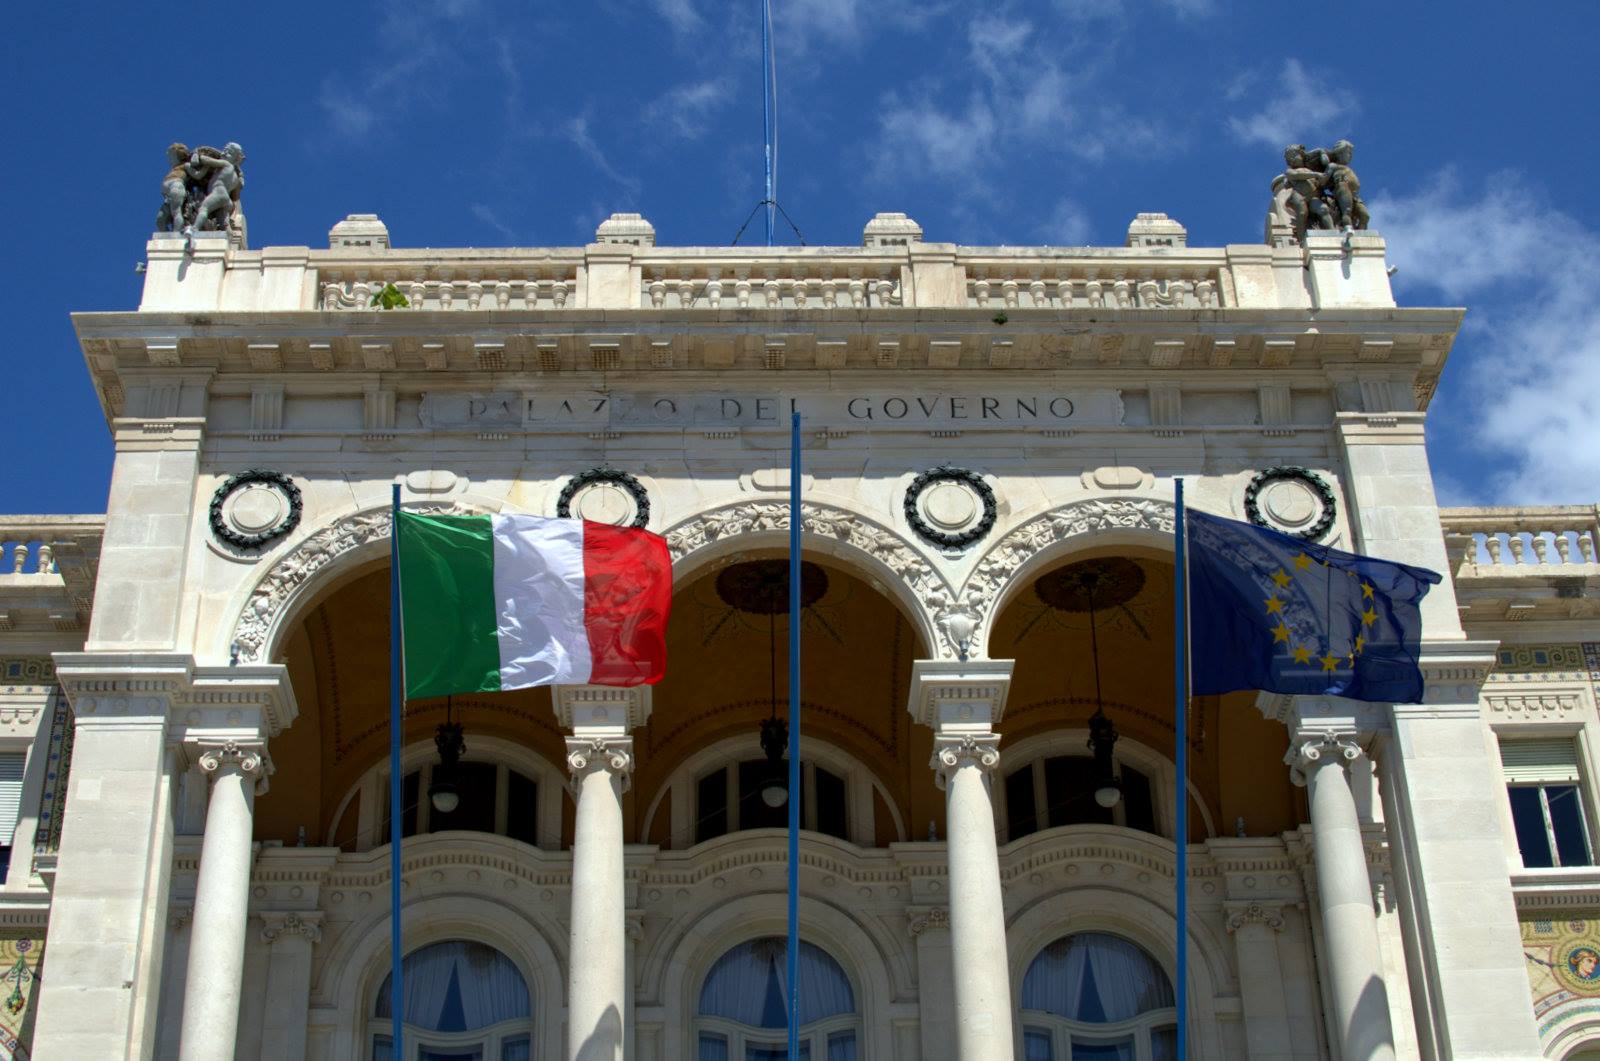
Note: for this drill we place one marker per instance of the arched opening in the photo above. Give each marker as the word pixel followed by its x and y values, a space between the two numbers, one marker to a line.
pixel 743 1011
pixel 1092 996
pixel 462 999
pixel 702 769
pixel 1049 777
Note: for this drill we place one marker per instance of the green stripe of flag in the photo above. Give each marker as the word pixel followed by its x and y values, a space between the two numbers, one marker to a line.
pixel 447 604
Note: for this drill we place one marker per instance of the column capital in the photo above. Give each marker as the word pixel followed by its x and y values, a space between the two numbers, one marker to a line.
pixel 922 919
pixel 952 752
pixel 1312 750
pixel 217 757
pixel 586 754
pixel 602 709
pixel 290 923
pixel 959 696
pixel 1254 912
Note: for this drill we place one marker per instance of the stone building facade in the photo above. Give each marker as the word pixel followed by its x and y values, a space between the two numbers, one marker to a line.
pixel 194 687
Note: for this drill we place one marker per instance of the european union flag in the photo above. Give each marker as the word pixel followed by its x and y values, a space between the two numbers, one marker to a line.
pixel 1270 611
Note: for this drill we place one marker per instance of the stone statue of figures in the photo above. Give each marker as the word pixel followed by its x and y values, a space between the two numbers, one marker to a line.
pixel 201 191
pixel 1318 190
pixel 1344 187
pixel 224 181
pixel 1299 192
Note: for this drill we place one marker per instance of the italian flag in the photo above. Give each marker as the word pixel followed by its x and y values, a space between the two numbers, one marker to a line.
pixel 511 601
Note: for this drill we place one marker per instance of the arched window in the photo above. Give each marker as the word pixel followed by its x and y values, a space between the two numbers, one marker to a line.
pixel 1059 790
pixel 464 1001
pixel 728 799
pixel 502 788
pixel 1097 997
pixel 743 1014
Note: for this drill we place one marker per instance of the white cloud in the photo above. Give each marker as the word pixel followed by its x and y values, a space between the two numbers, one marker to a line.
pixel 680 15
pixel 1525 272
pixel 577 131
pixel 687 108
pixel 1297 108
pixel 483 212
pixel 1067 226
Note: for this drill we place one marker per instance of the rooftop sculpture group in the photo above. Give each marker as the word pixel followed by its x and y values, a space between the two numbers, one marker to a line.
pixel 200 192
pixel 1319 190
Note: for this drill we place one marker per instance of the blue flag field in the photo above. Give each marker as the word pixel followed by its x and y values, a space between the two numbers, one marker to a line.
pixel 1270 611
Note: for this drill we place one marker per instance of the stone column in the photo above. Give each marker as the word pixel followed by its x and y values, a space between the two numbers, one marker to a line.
pixel 221 905
pixel 289 938
pixel 600 755
pixel 1255 927
pixel 962 701
pixel 1349 924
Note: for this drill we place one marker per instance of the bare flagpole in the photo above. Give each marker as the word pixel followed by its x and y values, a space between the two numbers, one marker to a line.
pixel 1180 757
pixel 396 780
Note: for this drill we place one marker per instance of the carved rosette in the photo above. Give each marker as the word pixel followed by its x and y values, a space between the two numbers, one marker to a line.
pixel 588 754
pixel 969 749
pixel 1255 913
pixel 296 567
pixel 824 521
pixel 277 925
pixel 998 566
pixel 1323 749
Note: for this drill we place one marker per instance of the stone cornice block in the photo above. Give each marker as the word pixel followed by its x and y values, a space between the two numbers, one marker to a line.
pixel 959 696
pixel 602 709
pixel 203 701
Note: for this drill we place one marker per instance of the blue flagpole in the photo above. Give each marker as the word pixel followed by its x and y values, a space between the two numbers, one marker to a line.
pixel 396 781
pixel 793 949
pixel 768 117
pixel 1180 685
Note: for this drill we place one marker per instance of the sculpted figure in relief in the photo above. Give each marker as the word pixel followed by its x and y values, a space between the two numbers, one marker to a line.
pixel 1318 190
pixel 201 190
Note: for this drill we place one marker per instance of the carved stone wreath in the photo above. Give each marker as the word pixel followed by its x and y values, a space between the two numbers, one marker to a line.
pixel 627 483
pixel 1309 482
pixel 964 487
pixel 275 514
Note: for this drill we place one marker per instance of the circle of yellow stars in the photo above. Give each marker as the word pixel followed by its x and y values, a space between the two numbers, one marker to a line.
pixel 1302 651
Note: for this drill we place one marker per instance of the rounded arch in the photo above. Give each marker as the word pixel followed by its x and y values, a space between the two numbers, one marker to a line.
pixel 677 966
pixel 370 786
pixel 359 960
pixel 1153 764
pixel 893 565
pixel 1143 523
pixel 731 750
pixel 325 558
pixel 1137 918
pixel 1572 1042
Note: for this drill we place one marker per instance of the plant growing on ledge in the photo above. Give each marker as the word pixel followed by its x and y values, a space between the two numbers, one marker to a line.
pixel 1001 318
pixel 389 297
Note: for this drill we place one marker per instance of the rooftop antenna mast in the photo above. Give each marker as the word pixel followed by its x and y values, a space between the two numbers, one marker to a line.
pixel 769 128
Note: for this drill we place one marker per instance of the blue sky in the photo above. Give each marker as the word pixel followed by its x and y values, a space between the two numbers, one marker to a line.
pixel 470 122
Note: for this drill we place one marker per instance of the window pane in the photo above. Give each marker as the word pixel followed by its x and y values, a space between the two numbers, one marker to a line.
pixel 452 1053
pixel 711 802
pixel 1164 1044
pixel 475 812
pixel 1019 803
pixel 713 1048
pixel 775 1053
pixel 842 1046
pixel 522 808
pixel 1566 817
pixel 1118 1051
pixel 1036 1045
pixel 831 816
pixel 1138 808
pixel 382 1048
pixel 753 810
pixel 1069 785
pixel 517 1048
pixel 1528 817
pixel 409 790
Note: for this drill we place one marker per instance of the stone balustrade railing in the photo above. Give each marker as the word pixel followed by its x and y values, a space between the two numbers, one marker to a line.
pixel 1523 540
pixel 35 546
pixel 1084 286
pixel 474 291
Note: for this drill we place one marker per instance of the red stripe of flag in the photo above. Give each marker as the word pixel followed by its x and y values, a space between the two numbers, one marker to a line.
pixel 627 597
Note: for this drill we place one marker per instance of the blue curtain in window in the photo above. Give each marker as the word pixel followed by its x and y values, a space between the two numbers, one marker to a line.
pixel 1036 1046
pixel 749 984
pixel 842 1046
pixel 1122 1051
pixel 713 1048
pixel 1097 978
pixel 1164 1044
pixel 459 986
pixel 518 1049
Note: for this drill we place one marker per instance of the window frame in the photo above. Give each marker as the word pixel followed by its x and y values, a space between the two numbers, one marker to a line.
pixel 861 785
pixel 373 791
pixel 1577 737
pixel 491 1038
pixel 739 1035
pixel 1063 1032
pixel 1033 751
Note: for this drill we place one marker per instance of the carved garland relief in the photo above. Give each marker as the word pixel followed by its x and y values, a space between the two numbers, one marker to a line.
pixel 957 616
